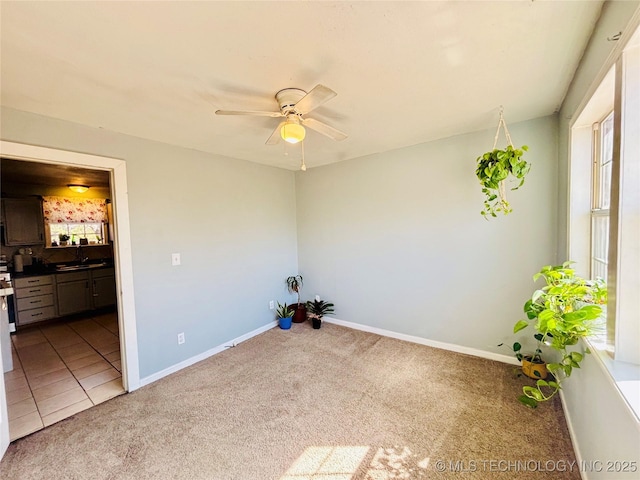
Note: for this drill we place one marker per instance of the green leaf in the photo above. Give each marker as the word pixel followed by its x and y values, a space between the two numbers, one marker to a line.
pixel 537 294
pixel 516 347
pixel 553 367
pixel 542 383
pixel 533 393
pixel 576 356
pixel 520 325
pixel 528 401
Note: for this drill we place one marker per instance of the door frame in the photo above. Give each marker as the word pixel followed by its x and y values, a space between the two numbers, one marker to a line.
pixel 123 262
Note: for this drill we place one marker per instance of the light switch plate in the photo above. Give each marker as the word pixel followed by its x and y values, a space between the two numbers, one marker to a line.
pixel 175 259
pixel 317 298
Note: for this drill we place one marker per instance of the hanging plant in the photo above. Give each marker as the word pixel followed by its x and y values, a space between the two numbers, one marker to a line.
pixel 493 170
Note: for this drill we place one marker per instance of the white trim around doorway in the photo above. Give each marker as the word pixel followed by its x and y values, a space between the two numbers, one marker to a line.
pixel 122 251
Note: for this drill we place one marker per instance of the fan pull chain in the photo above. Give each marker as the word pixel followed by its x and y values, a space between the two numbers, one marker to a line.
pixel 303 167
pixel 502 123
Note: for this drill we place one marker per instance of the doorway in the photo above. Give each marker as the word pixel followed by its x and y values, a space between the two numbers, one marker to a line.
pixel 124 319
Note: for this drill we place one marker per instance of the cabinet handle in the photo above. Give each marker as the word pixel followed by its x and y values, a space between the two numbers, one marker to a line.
pixel 36 314
pixel 33 281
pixel 33 291
pixel 36 301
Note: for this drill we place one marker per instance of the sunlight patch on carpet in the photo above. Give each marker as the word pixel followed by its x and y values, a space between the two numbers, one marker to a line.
pixel 341 463
pixel 327 463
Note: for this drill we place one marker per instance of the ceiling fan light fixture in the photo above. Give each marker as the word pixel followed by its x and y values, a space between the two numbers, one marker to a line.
pixel 78 188
pixel 292 132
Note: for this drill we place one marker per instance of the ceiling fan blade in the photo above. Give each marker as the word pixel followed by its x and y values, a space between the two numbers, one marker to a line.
pixel 275 136
pixel 324 129
pixel 254 113
pixel 316 97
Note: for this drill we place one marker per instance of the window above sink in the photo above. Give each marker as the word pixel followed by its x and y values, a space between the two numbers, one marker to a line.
pixel 74 221
pixel 73 234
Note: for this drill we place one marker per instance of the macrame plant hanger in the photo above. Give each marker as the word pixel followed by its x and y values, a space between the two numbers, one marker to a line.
pixel 502 124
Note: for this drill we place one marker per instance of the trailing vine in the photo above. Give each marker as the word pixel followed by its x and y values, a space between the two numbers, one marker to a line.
pixel 494 167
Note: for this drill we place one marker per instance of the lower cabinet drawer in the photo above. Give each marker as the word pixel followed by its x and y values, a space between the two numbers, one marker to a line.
pixel 34 302
pixel 34 291
pixel 36 315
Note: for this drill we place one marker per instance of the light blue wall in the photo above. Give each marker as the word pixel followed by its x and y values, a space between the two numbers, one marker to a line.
pixel 396 240
pixel 232 221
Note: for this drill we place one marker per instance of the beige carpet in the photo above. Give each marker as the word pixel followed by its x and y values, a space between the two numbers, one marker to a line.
pixel 304 404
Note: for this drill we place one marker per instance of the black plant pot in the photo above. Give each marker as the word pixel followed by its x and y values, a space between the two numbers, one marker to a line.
pixel 316 322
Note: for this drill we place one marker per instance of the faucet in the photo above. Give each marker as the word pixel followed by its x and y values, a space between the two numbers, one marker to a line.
pixel 80 255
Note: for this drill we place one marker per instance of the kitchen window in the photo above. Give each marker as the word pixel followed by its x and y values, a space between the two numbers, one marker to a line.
pixel 74 221
pixel 93 233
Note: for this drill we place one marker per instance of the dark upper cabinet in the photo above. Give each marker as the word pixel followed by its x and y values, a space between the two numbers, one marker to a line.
pixel 23 223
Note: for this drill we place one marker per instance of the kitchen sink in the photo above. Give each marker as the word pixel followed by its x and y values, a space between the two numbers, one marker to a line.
pixel 85 266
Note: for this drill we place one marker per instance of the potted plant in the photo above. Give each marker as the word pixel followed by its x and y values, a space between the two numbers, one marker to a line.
pixel 284 316
pixel 318 309
pixel 294 284
pixel 64 238
pixel 494 167
pixel 533 366
pixel 567 309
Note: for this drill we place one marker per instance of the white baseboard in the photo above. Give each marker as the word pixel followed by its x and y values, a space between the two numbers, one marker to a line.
pixel 573 437
pixel 204 355
pixel 425 341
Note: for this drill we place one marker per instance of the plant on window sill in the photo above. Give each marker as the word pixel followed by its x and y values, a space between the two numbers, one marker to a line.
pixel 565 310
pixel 493 170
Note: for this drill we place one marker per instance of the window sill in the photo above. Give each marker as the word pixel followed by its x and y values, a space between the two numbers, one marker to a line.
pixel 625 376
pixel 59 247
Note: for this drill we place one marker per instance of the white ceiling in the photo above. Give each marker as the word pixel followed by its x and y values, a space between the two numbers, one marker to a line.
pixel 405 72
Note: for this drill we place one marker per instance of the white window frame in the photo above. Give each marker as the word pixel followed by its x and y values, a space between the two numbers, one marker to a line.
pixel 619 91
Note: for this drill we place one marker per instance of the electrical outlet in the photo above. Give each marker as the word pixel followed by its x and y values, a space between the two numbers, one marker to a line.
pixel 180 338
pixel 175 259
pixel 272 305
pixel 317 298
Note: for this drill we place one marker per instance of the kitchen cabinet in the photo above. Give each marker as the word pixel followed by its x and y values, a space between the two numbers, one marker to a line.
pixel 23 223
pixel 35 299
pixel 103 287
pixel 43 297
pixel 74 295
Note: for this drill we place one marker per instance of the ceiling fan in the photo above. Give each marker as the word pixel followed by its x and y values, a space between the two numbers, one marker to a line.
pixel 294 105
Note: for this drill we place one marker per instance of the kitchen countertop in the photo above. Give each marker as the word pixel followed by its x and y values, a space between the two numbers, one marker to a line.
pixel 52 269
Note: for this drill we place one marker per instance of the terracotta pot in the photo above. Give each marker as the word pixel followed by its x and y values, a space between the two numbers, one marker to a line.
pixel 535 370
pixel 300 310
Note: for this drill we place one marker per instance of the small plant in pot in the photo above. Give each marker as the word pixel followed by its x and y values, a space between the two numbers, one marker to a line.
pixel 318 309
pixel 567 309
pixel 284 316
pixel 294 284
pixel 533 365
pixel 64 238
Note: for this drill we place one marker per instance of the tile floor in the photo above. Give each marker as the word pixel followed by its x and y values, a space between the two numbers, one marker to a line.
pixel 60 370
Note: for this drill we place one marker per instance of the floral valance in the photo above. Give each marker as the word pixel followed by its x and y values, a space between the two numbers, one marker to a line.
pixel 74 210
